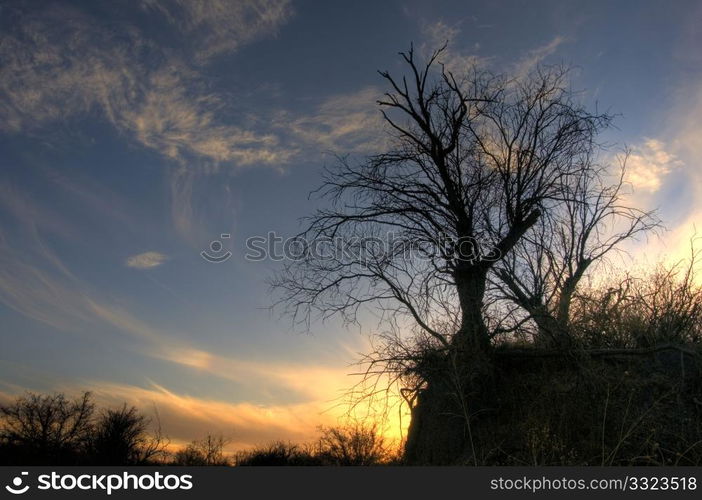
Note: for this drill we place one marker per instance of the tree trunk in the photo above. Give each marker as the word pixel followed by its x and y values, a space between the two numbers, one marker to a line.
pixel 439 431
pixel 446 410
pixel 473 334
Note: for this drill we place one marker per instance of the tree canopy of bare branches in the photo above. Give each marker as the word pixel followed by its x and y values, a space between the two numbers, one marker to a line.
pixel 52 426
pixel 591 220
pixel 475 164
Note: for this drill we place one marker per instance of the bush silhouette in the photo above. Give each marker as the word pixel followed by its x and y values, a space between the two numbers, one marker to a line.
pixel 121 437
pixel 208 451
pixel 46 429
pixel 52 429
pixel 352 445
pixel 278 454
pixel 342 445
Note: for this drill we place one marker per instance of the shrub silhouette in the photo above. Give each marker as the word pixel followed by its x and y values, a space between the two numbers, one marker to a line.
pixel 343 445
pixel 52 429
pixel 662 306
pixel 46 429
pixel 208 451
pixel 278 453
pixel 121 437
pixel 352 445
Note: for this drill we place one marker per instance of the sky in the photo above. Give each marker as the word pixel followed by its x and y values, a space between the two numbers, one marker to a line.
pixel 134 134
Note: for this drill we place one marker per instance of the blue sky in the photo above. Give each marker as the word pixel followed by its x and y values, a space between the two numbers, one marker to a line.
pixel 134 133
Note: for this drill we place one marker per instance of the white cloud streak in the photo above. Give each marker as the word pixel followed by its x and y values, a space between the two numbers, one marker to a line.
pixel 146 260
pixel 536 56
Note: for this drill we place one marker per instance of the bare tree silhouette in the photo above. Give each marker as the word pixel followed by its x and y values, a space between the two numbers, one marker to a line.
pixel 122 437
pixel 207 451
pixel 542 274
pixel 47 429
pixel 477 163
pixel 51 429
pixel 352 445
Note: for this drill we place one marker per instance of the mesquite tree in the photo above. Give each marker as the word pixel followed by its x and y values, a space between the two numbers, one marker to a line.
pixel 474 163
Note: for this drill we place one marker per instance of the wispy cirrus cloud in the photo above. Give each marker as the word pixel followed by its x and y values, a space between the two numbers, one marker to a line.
pixel 345 123
pixel 458 60
pixel 313 391
pixel 673 172
pixel 33 279
pixel 42 288
pixel 219 26
pixel 60 63
pixel 184 417
pixel 533 57
pixel 39 293
pixel 181 124
pixel 321 383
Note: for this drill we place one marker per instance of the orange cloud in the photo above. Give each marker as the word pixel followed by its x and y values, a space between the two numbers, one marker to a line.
pixel 184 417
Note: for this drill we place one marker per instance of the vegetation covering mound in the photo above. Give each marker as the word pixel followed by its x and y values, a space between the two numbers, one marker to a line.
pixel 587 407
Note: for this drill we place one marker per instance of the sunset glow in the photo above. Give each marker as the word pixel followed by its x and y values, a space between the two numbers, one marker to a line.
pixel 142 143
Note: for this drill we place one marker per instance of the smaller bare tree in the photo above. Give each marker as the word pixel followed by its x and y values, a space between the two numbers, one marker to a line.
pixel 122 437
pixel 543 273
pixel 352 445
pixel 47 428
pixel 207 451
